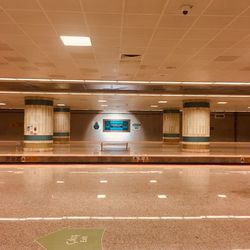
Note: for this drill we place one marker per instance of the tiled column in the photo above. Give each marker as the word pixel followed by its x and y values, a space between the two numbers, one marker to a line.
pixel 61 124
pixel 171 125
pixel 196 126
pixel 38 124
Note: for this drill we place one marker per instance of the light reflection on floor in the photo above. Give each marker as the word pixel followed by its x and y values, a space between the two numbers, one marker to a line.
pixel 140 207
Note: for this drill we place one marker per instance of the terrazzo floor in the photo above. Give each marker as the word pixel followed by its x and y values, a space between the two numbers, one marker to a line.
pixel 138 206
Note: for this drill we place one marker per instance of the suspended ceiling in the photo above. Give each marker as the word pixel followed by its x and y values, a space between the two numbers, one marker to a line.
pixel 211 43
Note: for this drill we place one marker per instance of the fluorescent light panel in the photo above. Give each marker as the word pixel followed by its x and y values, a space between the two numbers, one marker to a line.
pixel 76 40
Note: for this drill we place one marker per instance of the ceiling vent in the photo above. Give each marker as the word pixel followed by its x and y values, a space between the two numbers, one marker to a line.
pixel 131 57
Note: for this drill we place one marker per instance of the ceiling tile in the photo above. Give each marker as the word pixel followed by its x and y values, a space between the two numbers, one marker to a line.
pixel 5 47
pixel 19 5
pixel 4 18
pixel 66 18
pixel 100 32
pixel 201 34
pixel 71 30
pixel 241 23
pixel 104 20
pixel 100 6
pixel 38 30
pixel 144 21
pixel 226 7
pixel 144 6
pixel 62 5
pixel 170 34
pixel 15 59
pixel 212 22
pixel 226 58
pixel 28 17
pixel 9 29
pixel 134 33
pixel 177 22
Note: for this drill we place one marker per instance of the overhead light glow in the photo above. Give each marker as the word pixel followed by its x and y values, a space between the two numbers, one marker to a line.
pixel 60 105
pixel 154 106
pixel 76 40
pixel 221 103
pixel 103 181
pixel 2 104
pixel 162 101
pixel 101 196
pixel 162 196
pixel 102 101
pixel 153 181
pixel 222 196
pixel 104 105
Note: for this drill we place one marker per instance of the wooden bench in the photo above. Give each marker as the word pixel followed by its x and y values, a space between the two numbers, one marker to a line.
pixel 114 143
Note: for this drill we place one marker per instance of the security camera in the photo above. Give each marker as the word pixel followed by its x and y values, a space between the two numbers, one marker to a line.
pixel 185 9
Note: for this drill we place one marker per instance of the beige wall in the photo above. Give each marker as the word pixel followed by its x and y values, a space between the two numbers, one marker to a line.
pixel 11 126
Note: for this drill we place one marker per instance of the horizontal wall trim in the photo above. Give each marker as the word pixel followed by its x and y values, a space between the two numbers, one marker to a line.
pixel 196 105
pixel 171 111
pixel 195 139
pixel 38 137
pixel 38 102
pixel 166 135
pixel 61 134
pixel 61 109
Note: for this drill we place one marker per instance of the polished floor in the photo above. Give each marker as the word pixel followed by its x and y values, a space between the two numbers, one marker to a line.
pixel 138 152
pixel 142 207
pixel 135 148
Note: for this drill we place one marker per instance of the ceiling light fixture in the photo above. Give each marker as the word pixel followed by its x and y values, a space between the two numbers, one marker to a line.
pixel 101 101
pixel 162 101
pixel 60 105
pixel 154 106
pixel 104 105
pixel 76 40
pixel 2 104
pixel 221 103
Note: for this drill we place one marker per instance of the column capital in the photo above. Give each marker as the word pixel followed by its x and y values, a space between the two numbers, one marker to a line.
pixel 196 104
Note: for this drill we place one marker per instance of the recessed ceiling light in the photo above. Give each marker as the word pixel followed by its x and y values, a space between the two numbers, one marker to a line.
pixel 76 40
pixel 101 196
pixel 154 106
pixel 102 101
pixel 162 196
pixel 2 104
pixel 248 107
pixel 103 181
pixel 162 101
pixel 104 105
pixel 222 103
pixel 222 196
pixel 153 181
pixel 60 104
pixel 60 182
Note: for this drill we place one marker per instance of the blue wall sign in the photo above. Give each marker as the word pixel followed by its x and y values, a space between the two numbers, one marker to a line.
pixel 116 125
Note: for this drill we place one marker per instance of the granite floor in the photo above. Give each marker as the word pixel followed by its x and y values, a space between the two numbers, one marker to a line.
pixel 138 206
pixel 87 148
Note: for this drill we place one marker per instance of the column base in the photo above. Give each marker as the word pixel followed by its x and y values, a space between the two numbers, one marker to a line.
pixel 37 146
pixel 171 140
pixel 62 140
pixel 198 147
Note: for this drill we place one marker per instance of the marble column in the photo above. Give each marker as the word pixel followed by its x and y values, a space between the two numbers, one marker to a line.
pixel 38 124
pixel 61 125
pixel 196 126
pixel 171 125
